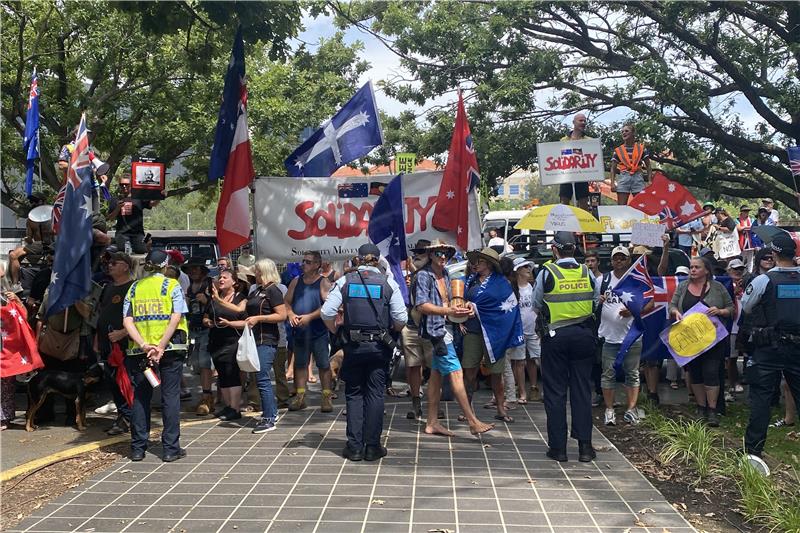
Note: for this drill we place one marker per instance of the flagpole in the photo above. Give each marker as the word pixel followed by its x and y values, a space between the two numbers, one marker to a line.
pixel 39 145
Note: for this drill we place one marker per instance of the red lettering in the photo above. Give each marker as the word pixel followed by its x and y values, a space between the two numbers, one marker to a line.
pixel 413 206
pixel 352 220
pixel 569 162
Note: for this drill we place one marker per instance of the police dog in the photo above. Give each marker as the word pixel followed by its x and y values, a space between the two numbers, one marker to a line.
pixel 70 385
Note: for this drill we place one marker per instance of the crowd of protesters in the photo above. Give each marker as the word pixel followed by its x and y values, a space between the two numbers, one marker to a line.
pixel 444 338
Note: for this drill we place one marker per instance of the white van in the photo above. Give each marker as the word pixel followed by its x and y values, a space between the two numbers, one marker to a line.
pixel 504 222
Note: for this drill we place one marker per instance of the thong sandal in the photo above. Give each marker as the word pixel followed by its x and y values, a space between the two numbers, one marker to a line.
pixel 522 401
pixel 462 418
pixel 504 418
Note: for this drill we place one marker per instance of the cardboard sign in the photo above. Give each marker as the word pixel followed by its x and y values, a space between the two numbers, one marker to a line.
pixel 726 245
pixel 647 234
pixel 406 163
pixel 293 215
pixel 693 335
pixel 621 218
pixel 147 180
pixel 570 161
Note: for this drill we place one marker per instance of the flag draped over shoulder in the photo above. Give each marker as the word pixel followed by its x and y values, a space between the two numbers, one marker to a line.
pixel 231 156
pixel 72 280
pixel 30 142
pixel 20 354
pixel 669 200
pixel 498 311
pixel 387 229
pixel 460 177
pixel 352 133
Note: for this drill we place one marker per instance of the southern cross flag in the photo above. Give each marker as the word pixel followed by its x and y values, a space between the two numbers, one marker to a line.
pixel 669 200
pixel 71 279
pixel 30 143
pixel 460 178
pixel 352 133
pixel 498 311
pixel 231 156
pixel 387 229
pixel 20 354
pixel 794 159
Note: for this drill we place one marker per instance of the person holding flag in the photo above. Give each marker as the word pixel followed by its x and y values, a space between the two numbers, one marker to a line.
pixel 564 297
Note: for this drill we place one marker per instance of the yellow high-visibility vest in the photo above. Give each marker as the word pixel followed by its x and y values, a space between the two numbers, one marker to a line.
pixel 151 307
pixel 572 298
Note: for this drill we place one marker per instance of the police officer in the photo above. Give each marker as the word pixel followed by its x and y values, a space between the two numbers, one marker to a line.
pixel 372 306
pixel 772 300
pixel 564 297
pixel 153 313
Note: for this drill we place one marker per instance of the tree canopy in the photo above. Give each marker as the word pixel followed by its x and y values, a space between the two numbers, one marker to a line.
pixel 712 86
pixel 149 76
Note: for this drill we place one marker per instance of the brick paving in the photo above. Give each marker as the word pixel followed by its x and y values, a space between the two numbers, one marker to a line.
pixel 294 480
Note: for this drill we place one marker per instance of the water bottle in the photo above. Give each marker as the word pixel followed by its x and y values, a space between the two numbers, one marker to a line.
pixel 128 247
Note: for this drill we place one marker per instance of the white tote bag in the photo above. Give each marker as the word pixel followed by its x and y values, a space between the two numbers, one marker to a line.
pixel 247 353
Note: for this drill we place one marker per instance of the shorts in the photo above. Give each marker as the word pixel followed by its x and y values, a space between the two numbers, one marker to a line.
pixel 581 190
pixel 630 183
pixel 475 352
pixel 319 346
pixel 530 349
pixel 446 363
pixel 630 365
pixel 416 350
pixel 199 341
pixel 228 374
pixel 734 350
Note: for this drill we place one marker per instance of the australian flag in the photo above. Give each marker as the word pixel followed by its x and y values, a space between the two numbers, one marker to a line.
pixel 794 159
pixel 352 133
pixel 71 279
pixel 387 229
pixel 30 143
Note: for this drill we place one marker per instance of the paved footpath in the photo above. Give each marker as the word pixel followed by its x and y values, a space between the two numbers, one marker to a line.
pixel 294 480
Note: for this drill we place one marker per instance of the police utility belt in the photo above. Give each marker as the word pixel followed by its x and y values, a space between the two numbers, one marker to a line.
pixel 171 347
pixel 367 335
pixel 770 336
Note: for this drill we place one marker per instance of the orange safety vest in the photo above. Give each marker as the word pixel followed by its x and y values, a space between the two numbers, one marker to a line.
pixel 629 162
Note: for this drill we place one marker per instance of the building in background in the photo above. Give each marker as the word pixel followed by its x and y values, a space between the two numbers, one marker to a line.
pixel 516 186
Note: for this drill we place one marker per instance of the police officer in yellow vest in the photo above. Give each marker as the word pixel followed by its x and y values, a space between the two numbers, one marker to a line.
pixel 564 297
pixel 154 318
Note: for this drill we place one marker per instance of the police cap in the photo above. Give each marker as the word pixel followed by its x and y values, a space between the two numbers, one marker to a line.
pixel 783 245
pixel 158 258
pixel 368 249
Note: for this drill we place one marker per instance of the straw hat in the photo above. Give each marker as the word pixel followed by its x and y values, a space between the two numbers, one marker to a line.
pixel 439 244
pixel 488 254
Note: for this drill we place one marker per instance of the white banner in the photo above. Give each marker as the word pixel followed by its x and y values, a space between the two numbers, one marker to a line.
pixel 331 215
pixel 621 218
pixel 570 161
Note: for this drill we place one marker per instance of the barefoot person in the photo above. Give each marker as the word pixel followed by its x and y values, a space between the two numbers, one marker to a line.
pixel 432 297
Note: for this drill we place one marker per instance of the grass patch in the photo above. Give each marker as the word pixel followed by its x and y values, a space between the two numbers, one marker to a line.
pixel 780 444
pixel 692 443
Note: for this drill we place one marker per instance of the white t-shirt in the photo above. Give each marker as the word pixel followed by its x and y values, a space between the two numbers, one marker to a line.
pixel 526 311
pixel 613 327
pixel 184 281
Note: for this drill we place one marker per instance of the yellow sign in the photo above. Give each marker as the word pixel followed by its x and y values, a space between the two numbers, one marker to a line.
pixel 693 335
pixel 406 162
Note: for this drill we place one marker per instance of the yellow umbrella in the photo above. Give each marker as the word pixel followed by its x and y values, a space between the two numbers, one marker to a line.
pixel 560 217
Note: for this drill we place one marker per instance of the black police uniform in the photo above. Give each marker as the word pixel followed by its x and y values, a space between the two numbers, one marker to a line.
pixel 365 298
pixel 776 338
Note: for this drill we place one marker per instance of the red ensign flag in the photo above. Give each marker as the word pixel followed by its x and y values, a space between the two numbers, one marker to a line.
pixel 460 178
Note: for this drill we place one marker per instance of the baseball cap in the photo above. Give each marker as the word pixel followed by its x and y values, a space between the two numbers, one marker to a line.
pixel 368 249
pixel 640 250
pixel 767 201
pixel 744 208
pixel 763 210
pixel 157 258
pixel 683 270
pixel 621 250
pixel 520 262
pixel 705 251
pixel 783 245
pixel 708 204
pixel 176 256
pixel 563 240
pixel 121 256
pixel 736 263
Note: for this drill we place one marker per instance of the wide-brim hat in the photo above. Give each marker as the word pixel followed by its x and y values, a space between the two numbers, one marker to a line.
pixel 439 244
pixel 421 246
pixel 246 270
pixel 195 262
pixel 487 253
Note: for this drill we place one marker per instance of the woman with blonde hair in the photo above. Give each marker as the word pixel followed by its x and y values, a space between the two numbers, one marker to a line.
pixel 265 310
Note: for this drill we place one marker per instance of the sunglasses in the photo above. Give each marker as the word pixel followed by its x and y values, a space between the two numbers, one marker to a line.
pixel 767 259
pixel 308 262
pixel 440 253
